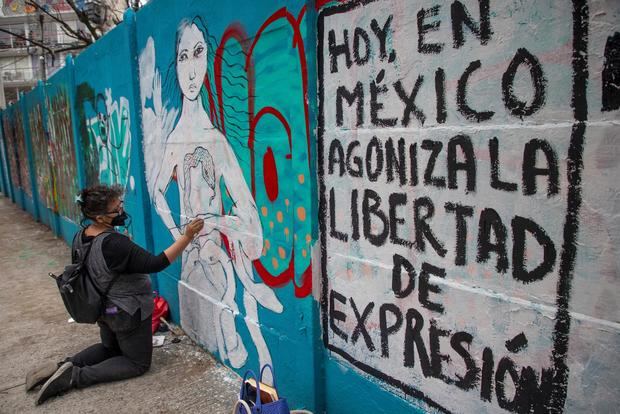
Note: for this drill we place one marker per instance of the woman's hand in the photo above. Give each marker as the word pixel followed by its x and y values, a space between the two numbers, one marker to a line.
pixel 191 230
pixel 194 227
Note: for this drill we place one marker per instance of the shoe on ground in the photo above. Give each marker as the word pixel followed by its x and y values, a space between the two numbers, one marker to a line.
pixel 37 376
pixel 57 384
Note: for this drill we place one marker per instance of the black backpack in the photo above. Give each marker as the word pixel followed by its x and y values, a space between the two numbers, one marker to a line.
pixel 83 300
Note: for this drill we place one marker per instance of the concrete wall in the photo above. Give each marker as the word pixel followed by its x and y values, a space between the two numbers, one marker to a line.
pixel 410 206
pixel 226 129
pixel 462 190
pixel 108 122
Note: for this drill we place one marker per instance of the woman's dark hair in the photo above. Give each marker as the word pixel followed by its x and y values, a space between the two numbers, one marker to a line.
pixel 94 201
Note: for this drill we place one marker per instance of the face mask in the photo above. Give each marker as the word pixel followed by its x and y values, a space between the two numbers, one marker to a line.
pixel 119 221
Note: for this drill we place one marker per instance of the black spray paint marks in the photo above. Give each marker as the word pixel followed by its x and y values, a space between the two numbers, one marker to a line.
pixel 440 91
pixel 460 212
pixel 372 96
pixel 461 96
pixel 611 74
pixel 516 106
pixel 425 347
pixel 425 25
pixel 352 97
pixel 335 50
pixel 363 45
pixel 531 171
pixel 377 90
pixel 386 330
pixel 461 17
pixel 579 103
pixel 335 315
pixel 471 377
pixel 490 222
pixel 361 324
pixel 409 101
pixel 496 182
pixel 491 374
pixel 516 344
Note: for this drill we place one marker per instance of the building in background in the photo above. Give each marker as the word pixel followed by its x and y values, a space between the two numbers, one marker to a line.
pixel 22 63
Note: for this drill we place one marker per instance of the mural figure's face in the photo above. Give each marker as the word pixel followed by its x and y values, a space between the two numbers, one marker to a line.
pixel 191 61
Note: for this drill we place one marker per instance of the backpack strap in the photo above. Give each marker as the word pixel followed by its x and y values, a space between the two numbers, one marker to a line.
pixel 83 261
pixel 73 249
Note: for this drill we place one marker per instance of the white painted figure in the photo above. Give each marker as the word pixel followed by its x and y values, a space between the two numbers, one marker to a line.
pixel 198 156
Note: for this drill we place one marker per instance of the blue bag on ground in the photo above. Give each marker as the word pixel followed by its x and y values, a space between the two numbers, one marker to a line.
pixel 265 401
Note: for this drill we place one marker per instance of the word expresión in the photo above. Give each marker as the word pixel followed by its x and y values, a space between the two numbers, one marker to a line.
pixel 434 350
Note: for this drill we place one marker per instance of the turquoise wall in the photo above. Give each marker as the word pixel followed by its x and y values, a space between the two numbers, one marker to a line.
pixel 276 121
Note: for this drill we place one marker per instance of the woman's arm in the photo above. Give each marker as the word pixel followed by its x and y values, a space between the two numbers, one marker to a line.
pixel 124 256
pixel 176 248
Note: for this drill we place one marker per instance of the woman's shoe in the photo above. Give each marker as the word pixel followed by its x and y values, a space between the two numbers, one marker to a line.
pixel 58 383
pixel 40 374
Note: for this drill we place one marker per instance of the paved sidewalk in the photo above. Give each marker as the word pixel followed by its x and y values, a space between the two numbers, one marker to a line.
pixel 34 327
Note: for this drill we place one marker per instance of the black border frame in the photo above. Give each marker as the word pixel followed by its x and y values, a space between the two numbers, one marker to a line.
pixel 559 353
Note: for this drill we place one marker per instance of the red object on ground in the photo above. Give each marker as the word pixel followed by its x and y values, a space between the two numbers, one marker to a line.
pixel 160 309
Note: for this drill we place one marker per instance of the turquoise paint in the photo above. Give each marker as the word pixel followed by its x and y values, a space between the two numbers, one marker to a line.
pixel 310 377
pixel 103 67
pixel 58 91
pixel 36 199
pixel 29 182
pixel 35 122
pixel 279 217
pixel 108 124
pixel 8 125
pixel 137 154
pixel 6 175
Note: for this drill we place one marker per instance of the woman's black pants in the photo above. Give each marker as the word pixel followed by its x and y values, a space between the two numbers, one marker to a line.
pixel 125 351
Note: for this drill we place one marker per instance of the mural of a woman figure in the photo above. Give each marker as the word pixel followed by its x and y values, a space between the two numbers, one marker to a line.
pixel 200 159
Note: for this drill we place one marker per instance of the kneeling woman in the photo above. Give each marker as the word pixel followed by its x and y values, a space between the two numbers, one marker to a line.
pixel 116 262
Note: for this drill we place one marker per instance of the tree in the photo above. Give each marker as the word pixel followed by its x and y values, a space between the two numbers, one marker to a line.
pixel 96 16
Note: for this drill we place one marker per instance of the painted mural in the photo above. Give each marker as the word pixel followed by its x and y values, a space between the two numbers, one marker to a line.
pixel 62 153
pixel 226 145
pixel 44 177
pixel 452 143
pixel 16 148
pixel 11 149
pixel 105 135
pixel 6 177
pixel 467 181
pixel 22 153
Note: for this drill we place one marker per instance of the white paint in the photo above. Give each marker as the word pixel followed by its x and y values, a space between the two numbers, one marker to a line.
pixel 199 157
pixel 157 121
pixel 111 133
pixel 491 306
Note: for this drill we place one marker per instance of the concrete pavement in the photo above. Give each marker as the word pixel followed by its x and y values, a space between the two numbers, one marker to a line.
pixel 34 327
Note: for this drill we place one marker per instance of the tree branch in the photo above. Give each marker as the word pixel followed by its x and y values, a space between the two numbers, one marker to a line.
pixel 66 49
pixel 77 36
pixel 34 42
pixel 83 18
pixel 64 25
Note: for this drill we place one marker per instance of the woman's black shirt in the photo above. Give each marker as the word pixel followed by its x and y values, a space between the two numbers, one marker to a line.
pixel 124 256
